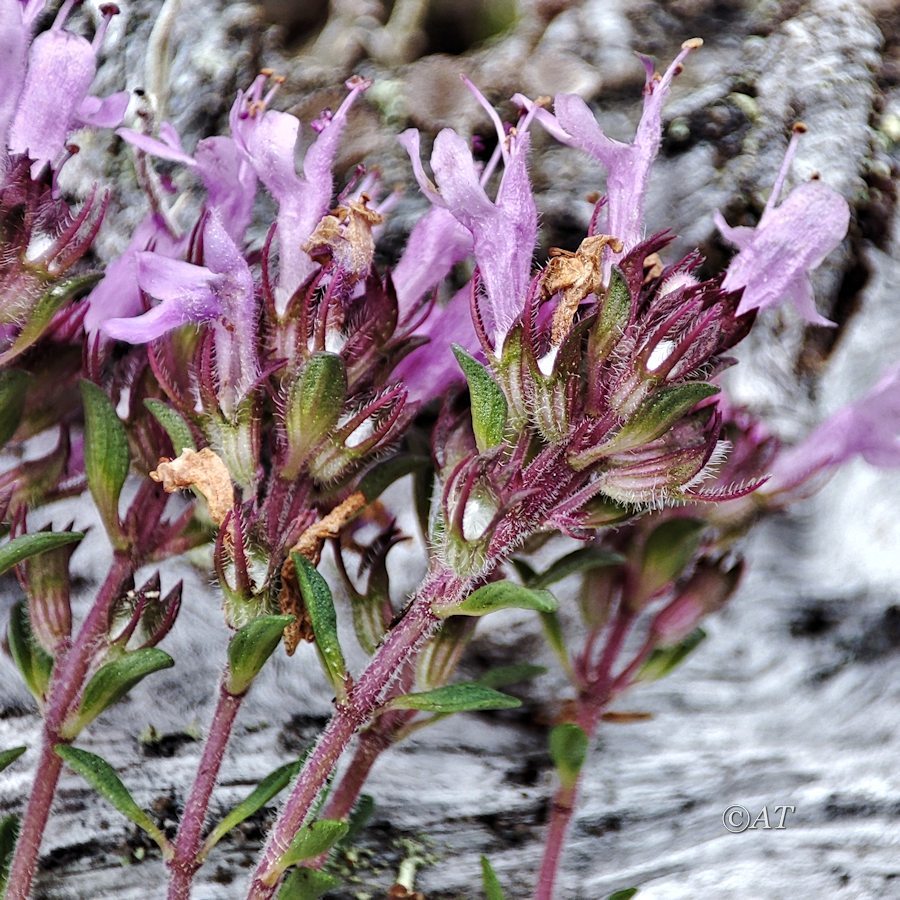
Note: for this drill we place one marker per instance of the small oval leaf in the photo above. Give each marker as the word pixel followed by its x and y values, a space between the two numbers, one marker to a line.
pixel 657 414
pixel 32 661
pixel 272 784
pixel 487 400
pixel 490 882
pixel 9 831
pixel 13 387
pixel 26 545
pixel 320 606
pixel 8 757
pixel 102 777
pixel 582 560
pixel 313 840
pixel 106 457
pixel 249 649
pixel 307 884
pixel 112 681
pixel 513 674
pixel 667 551
pixel 500 595
pixel 453 698
pixel 173 422
pixel 568 750
pixel 664 660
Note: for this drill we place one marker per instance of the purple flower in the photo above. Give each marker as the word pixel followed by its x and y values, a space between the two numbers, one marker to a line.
pixel 869 428
pixel 118 295
pixel 54 99
pixel 791 240
pixel 627 165
pixel 222 291
pixel 268 138
pixel 429 371
pixel 16 20
pixel 229 179
pixel 435 245
pixel 504 231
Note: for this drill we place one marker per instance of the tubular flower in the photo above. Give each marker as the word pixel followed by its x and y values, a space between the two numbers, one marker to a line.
pixel 869 427
pixel 627 165
pixel 54 98
pixel 222 290
pixel 791 240
pixel 268 139
pixel 504 231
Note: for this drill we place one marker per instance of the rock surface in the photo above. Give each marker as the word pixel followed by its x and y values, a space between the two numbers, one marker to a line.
pixel 794 699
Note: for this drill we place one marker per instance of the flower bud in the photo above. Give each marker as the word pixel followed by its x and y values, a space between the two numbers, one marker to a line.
pixel 707 591
pixel 312 408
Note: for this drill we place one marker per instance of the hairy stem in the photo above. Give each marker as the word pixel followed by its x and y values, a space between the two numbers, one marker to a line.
pixel 592 701
pixel 34 822
pixel 65 688
pixel 402 643
pixel 343 798
pixel 184 863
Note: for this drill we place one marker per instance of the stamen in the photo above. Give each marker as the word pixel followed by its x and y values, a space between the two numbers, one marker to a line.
pixel 498 124
pixel 63 14
pixel 799 128
pixel 108 10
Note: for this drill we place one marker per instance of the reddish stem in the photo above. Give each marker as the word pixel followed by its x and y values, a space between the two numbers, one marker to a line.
pixel 371 745
pixel 184 863
pixel 402 643
pixel 65 688
pixel 34 823
pixel 592 701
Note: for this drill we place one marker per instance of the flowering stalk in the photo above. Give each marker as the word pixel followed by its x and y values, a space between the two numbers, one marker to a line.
pixel 64 691
pixel 184 862
pixel 413 630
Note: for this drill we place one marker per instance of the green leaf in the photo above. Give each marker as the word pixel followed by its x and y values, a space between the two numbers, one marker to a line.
pixel 13 387
pixel 47 306
pixel 664 660
pixel 553 632
pixel 113 681
pixel 514 674
pixel 102 777
pixel 307 884
pixel 272 784
pixel 466 697
pixel 582 560
pixel 612 319
pixel 8 757
pixel 32 661
pixel 249 649
pixel 173 422
pixel 9 831
pixel 657 414
pixel 499 595
pixel 492 887
pixel 26 545
pixel 384 474
pixel 359 818
pixel 489 408
pixel 668 550
pixel 568 749
pixel 312 408
pixel 106 457
pixel 320 606
pixel 625 894
pixel 313 840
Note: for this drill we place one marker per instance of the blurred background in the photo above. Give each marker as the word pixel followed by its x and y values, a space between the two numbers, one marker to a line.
pixel 794 699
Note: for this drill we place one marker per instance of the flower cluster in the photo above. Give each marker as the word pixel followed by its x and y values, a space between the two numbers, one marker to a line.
pixel 288 383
